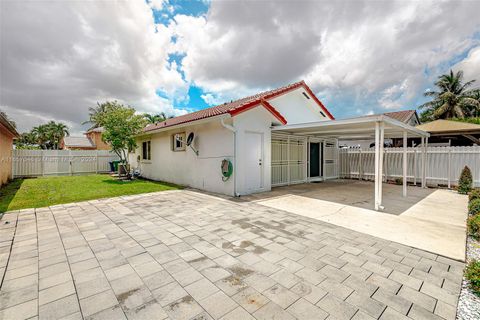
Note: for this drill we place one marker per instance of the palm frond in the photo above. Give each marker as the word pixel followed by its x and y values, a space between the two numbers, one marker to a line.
pixel 442 111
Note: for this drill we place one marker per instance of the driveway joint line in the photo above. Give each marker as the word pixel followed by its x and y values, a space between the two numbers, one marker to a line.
pixel 10 251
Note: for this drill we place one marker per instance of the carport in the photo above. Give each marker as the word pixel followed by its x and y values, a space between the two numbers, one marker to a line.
pixel 375 127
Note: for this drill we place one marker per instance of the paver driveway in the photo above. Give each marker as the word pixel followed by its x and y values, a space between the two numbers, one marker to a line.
pixel 187 255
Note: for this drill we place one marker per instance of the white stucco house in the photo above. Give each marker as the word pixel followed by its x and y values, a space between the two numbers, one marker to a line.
pixel 278 137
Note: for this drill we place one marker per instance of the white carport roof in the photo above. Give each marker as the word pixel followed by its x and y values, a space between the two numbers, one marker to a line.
pixel 353 128
pixel 377 126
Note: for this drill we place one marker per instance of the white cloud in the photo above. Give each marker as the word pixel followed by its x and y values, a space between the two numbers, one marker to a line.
pixel 210 99
pixel 362 49
pixel 157 4
pixel 471 66
pixel 59 58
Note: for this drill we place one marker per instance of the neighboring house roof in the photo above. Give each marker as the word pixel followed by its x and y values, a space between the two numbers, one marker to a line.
pixel 449 126
pixel 78 142
pixel 238 106
pixel 403 116
pixel 4 121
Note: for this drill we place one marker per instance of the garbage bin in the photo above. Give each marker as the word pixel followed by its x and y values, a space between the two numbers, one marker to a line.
pixel 115 165
pixel 112 168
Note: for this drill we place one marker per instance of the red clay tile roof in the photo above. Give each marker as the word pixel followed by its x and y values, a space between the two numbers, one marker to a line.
pixel 402 116
pixel 238 106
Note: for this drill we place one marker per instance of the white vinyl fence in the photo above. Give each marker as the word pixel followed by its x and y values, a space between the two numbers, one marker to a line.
pixel 444 164
pixel 34 163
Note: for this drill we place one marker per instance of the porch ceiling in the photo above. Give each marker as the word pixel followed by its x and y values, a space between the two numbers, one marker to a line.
pixel 354 128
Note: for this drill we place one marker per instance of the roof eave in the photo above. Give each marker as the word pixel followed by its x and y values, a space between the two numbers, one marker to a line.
pixel 369 119
pixel 185 124
pixel 9 127
pixel 320 104
pixel 406 127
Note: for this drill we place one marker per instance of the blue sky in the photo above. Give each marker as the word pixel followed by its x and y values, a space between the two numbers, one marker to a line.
pixel 180 56
pixel 165 16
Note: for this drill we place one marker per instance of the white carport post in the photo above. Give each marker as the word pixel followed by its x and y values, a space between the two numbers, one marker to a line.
pixel 423 162
pixel 426 161
pixel 404 163
pixel 379 135
pixel 380 163
pixel 377 152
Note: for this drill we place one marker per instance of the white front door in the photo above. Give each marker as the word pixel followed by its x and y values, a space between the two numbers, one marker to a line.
pixel 254 161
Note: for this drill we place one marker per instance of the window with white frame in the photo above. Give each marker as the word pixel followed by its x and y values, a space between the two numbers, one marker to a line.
pixel 146 150
pixel 179 142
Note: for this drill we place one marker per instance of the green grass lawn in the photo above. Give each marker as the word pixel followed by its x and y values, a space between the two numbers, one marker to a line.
pixel 46 191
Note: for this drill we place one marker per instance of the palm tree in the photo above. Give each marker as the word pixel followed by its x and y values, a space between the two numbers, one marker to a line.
pixel 475 112
pixel 49 136
pixel 452 100
pixel 159 117
pixel 57 131
pixel 41 136
pixel 93 113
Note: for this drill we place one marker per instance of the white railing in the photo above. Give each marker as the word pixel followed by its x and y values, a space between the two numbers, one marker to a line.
pixel 444 164
pixel 35 163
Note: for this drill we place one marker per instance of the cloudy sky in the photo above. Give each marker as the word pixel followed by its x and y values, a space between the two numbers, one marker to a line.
pixel 57 58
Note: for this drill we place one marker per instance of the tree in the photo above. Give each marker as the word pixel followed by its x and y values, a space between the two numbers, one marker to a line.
pixel 121 126
pixel 27 140
pixel 154 118
pixel 94 112
pixel 451 100
pixel 56 133
pixel 45 136
pixel 159 117
pixel 475 112
pixel 41 136
pixel 465 181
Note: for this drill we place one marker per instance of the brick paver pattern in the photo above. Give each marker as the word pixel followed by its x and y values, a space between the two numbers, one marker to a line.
pixel 188 255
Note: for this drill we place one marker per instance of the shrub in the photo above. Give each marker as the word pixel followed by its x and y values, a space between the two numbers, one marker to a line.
pixel 465 181
pixel 473 224
pixel 474 207
pixel 472 273
pixel 399 181
pixel 474 194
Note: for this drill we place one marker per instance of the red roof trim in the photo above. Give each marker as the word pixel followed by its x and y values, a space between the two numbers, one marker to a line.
pixel 320 104
pixel 274 111
pixel 254 104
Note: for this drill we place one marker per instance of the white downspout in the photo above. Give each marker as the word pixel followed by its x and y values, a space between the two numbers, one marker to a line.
pixel 232 128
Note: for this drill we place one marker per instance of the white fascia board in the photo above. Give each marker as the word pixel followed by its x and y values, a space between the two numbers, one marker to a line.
pixel 329 123
pixel 406 127
pixel 186 124
pixel 352 121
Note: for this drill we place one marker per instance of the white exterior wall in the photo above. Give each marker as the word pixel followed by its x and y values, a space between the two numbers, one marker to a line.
pixel 214 143
pixel 295 108
pixel 257 120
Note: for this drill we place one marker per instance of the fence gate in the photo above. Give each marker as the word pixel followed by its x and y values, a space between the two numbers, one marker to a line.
pixel 330 160
pixel 289 154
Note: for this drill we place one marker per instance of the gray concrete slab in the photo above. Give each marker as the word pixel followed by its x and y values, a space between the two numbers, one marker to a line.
pixel 429 219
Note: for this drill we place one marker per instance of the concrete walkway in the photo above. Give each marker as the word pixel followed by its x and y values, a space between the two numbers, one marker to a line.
pixel 186 255
pixel 432 220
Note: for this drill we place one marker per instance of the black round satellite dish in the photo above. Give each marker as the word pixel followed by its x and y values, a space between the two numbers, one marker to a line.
pixel 190 137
